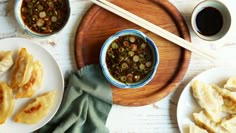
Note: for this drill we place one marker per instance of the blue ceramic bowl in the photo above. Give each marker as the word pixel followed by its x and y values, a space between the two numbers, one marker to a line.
pixel 17 12
pixel 105 70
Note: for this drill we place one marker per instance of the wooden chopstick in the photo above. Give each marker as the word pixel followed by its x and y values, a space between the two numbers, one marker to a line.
pixel 154 28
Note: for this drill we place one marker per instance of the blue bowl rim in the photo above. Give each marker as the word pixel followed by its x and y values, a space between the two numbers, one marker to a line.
pixel 105 71
pixel 17 7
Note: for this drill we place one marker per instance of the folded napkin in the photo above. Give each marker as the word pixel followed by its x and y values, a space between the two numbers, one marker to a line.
pixel 85 106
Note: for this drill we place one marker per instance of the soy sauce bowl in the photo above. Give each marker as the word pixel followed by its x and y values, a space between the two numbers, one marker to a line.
pixel 42 18
pixel 152 69
pixel 211 20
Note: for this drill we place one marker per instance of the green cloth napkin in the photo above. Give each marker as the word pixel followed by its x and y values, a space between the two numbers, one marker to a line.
pixel 85 106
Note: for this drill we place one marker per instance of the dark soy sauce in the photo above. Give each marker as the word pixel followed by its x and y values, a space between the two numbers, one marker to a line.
pixel 209 21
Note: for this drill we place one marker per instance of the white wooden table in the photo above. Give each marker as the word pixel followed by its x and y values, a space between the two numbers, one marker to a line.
pixel 158 117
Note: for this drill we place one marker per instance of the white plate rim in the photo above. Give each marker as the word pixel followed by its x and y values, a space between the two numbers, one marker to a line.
pixel 57 82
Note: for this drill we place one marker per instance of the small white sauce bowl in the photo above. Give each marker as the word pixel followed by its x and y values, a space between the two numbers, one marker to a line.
pixel 222 8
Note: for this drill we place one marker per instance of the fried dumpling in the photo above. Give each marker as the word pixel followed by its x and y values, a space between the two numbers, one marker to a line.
pixel 22 69
pixel 229 124
pixel 196 129
pixel 36 110
pixel 225 93
pixel 6 101
pixel 6 61
pixel 229 99
pixel 229 106
pixel 34 82
pixel 203 121
pixel 208 99
pixel 231 84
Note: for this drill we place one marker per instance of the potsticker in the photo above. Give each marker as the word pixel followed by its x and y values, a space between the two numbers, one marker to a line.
pixel 36 110
pixel 6 61
pixel 208 99
pixel 34 83
pixel 22 69
pixel 6 101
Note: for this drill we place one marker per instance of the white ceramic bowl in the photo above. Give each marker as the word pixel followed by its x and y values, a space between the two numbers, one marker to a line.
pixel 18 16
pixel 222 8
pixel 105 70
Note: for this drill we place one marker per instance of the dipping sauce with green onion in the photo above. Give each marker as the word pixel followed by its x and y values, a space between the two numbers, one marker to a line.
pixel 44 16
pixel 129 59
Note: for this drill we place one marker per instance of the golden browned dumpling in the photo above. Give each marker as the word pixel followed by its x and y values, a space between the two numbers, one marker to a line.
pixel 6 61
pixel 22 69
pixel 203 121
pixel 196 129
pixel 6 101
pixel 229 106
pixel 229 124
pixel 36 110
pixel 225 93
pixel 208 99
pixel 231 84
pixel 34 82
pixel 229 98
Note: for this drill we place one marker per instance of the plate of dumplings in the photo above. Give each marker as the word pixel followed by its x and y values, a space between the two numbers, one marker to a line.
pixel 31 85
pixel 208 102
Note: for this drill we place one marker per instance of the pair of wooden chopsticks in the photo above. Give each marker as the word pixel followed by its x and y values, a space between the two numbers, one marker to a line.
pixel 154 28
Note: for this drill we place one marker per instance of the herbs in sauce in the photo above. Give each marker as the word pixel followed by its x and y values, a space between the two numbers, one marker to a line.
pixel 44 16
pixel 129 59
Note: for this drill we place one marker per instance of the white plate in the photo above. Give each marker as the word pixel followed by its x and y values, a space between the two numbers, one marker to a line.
pixel 187 105
pixel 52 80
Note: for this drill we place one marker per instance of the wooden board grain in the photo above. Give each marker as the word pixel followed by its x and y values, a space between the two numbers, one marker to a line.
pixel 98 24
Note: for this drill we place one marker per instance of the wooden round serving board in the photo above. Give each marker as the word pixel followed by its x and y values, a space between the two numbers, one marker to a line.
pixel 98 24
